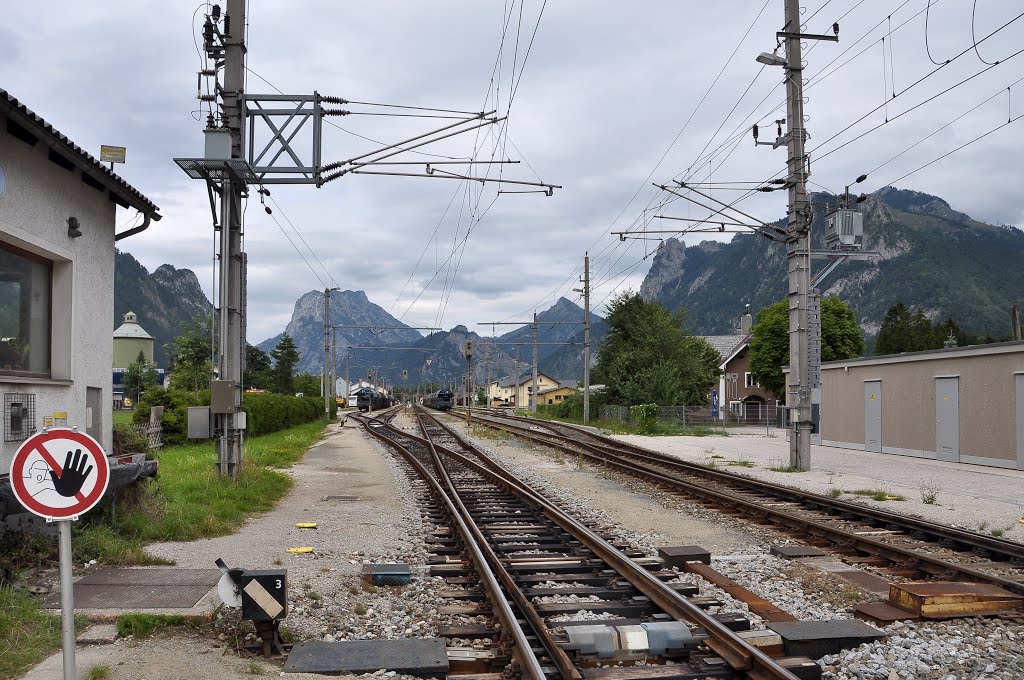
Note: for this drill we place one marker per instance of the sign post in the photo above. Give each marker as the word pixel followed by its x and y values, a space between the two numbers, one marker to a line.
pixel 61 493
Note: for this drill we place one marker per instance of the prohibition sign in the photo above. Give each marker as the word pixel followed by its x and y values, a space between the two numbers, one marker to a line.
pixel 60 473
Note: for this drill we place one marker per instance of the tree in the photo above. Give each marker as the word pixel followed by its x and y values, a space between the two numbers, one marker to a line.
pixel 841 338
pixel 258 369
pixel 905 329
pixel 285 356
pixel 191 366
pixel 307 383
pixel 648 357
pixel 140 376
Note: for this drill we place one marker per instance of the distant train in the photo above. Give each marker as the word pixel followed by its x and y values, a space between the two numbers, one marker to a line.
pixel 441 400
pixel 369 399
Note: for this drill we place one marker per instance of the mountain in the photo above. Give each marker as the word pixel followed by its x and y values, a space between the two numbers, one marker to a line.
pixel 162 300
pixel 932 257
pixel 438 358
pixel 348 308
pixel 560 323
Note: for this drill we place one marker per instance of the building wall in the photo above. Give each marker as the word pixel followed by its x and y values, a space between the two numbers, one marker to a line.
pixel 126 351
pixel 729 391
pixel 987 402
pixel 40 197
pixel 557 396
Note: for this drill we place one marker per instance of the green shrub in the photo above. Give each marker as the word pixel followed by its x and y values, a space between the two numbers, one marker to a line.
pixel 645 416
pixel 267 412
pixel 128 440
pixel 175 403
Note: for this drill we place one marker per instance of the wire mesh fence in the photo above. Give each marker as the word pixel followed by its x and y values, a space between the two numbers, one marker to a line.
pixel 751 418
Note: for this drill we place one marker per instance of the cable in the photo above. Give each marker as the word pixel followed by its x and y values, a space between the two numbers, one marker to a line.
pixel 302 238
pixel 974 11
pixel 927 48
pixel 322 284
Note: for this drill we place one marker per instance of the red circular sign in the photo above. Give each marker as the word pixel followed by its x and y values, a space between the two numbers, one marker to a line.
pixel 60 473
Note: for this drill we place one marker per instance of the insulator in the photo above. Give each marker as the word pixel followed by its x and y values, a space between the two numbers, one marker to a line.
pixel 227 24
pixel 207 97
pixel 755 132
pixel 208 72
pixel 333 100
pixel 215 12
pixel 208 32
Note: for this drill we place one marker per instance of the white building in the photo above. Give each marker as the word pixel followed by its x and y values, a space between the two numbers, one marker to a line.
pixel 57 221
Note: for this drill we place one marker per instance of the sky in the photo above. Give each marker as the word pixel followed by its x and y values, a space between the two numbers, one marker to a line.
pixel 602 98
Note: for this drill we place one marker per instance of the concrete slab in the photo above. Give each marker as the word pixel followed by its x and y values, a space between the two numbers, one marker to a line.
pixel 794 551
pixel 99 634
pixel 882 614
pixel 120 589
pixel 678 555
pixel 815 639
pixel 419 656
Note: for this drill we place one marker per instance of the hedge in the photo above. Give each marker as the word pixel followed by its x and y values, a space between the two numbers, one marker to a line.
pixel 266 412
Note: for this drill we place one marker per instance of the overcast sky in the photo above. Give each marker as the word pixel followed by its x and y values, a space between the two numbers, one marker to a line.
pixel 609 101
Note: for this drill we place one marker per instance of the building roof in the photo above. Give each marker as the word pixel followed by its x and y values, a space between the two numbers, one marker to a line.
pixel 725 344
pixel 125 194
pixel 561 386
pixel 131 329
pixel 926 355
pixel 526 378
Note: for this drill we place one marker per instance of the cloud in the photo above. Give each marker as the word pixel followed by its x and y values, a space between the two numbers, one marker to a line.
pixel 604 92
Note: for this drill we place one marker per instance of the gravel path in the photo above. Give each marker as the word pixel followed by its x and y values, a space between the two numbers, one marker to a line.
pixel 973 497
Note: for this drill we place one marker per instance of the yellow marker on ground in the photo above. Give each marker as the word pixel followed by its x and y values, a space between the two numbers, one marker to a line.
pixel 300 551
pixel 305 525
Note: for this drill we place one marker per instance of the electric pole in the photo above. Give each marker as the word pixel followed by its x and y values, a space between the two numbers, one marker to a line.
pixel 533 398
pixel 230 299
pixel 586 337
pixel 327 352
pixel 798 389
pixel 469 381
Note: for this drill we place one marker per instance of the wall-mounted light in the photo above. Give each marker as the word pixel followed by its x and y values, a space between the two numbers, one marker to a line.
pixel 73 227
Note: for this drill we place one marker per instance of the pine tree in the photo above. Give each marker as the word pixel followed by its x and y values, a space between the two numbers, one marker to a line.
pixel 286 356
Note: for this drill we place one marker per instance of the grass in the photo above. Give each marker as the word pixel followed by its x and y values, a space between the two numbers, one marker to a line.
pixel 27 634
pixel 835 493
pixel 101 672
pixel 144 625
pixel 123 417
pixel 484 432
pixel 359 609
pixel 929 496
pixel 878 495
pixel 189 501
pixel 784 468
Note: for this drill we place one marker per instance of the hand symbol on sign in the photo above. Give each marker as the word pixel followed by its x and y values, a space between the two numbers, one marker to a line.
pixel 73 475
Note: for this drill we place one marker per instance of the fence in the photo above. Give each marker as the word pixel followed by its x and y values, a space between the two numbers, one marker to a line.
pixel 763 417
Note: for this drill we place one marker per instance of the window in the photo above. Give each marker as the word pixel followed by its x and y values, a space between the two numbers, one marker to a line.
pixel 25 286
pixel 749 380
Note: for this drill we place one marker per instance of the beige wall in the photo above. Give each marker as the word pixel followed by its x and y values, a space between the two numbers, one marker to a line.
pixel 126 350
pixel 987 401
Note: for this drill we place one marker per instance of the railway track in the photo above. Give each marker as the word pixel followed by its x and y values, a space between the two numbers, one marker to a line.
pixel 536 567
pixel 897 545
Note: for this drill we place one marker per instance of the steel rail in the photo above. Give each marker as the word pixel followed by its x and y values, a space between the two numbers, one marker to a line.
pixel 1011 549
pixel 555 652
pixel 904 557
pixel 739 654
pixel 529 663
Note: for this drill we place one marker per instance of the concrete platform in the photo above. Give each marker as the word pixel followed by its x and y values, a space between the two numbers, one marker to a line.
pixel 99 634
pixel 815 639
pixel 420 656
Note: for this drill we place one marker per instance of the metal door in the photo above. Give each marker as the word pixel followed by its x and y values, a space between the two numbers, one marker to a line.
pixel 1020 420
pixel 873 415
pixel 94 412
pixel 947 419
